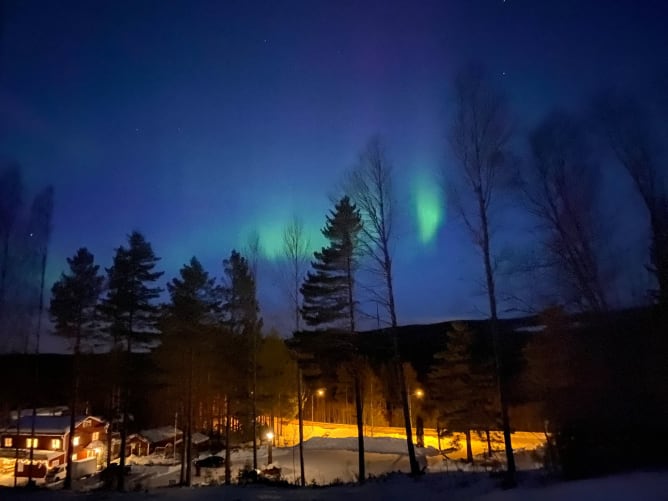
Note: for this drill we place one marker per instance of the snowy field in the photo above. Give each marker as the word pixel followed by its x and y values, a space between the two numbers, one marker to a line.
pixel 643 486
pixel 334 460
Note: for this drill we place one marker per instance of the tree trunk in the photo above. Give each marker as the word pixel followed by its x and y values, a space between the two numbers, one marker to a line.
pixel 228 424
pixel 182 469
pixel 300 416
pixel 412 459
pixel 359 408
pixel 469 450
pixel 187 437
pixel 489 445
pixel 254 400
pixel 67 484
pixel 498 357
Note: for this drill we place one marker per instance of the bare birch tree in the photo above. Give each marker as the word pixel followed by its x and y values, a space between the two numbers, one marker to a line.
pixel 296 252
pixel 560 185
pixel 10 205
pixel 369 184
pixel 630 133
pixel 479 138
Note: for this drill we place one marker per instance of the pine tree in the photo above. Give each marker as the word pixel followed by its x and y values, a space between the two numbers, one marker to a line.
pixel 329 293
pixel 242 315
pixel 464 389
pixel 189 331
pixel 74 299
pixel 131 313
pixel 329 290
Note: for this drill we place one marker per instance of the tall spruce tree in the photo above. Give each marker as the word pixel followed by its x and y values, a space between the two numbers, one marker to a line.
pixel 242 315
pixel 131 313
pixel 74 299
pixel 329 295
pixel 328 291
pixel 463 387
pixel 189 331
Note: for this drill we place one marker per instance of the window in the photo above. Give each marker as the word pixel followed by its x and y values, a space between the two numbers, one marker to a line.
pixel 55 443
pixel 31 443
pixel 87 423
pixel 8 442
pixel 75 441
pixel 96 436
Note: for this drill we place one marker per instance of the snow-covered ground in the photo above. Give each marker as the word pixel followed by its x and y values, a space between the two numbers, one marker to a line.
pixel 642 486
pixel 334 460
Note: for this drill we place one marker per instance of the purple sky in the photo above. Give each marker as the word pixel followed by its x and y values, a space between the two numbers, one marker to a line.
pixel 200 122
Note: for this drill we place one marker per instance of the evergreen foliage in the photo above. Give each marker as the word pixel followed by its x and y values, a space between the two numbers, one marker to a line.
pixel 240 306
pixel 189 336
pixel 74 299
pixel 131 316
pixel 129 305
pixel 463 387
pixel 328 289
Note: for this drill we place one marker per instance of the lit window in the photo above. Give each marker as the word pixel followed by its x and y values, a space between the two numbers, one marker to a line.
pixel 55 443
pixel 87 423
pixel 96 436
pixel 75 441
pixel 8 442
pixel 31 443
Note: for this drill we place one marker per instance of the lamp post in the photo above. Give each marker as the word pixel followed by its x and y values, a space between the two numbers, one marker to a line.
pixel 270 440
pixel 419 394
pixel 321 393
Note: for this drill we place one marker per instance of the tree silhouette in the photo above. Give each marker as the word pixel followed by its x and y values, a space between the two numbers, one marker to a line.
pixel 329 295
pixel 189 337
pixel 370 185
pixel 74 299
pixel 242 316
pixel 132 316
pixel 479 138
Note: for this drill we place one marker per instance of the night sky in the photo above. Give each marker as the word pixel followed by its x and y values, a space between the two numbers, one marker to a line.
pixel 200 122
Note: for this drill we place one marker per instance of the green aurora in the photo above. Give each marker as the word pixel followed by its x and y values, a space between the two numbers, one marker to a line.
pixel 428 206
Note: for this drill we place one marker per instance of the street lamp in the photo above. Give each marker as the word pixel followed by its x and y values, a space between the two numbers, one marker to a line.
pixel 419 394
pixel 270 440
pixel 321 393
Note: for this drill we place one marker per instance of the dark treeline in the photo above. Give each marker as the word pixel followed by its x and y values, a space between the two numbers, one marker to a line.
pixel 596 387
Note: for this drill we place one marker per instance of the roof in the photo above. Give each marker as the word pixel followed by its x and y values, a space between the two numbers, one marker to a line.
pixel 137 436
pixel 49 424
pixel 159 434
pixel 199 438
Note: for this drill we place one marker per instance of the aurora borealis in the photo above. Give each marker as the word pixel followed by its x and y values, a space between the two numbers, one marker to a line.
pixel 199 123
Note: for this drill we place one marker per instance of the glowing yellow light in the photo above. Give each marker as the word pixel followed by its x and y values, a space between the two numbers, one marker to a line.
pixel 270 435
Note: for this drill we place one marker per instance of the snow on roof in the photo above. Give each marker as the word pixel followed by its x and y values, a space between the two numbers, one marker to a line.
pixel 57 410
pixel 159 434
pixel 47 424
pixel 199 438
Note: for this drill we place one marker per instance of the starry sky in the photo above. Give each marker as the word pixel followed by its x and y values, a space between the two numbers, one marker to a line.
pixel 200 122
